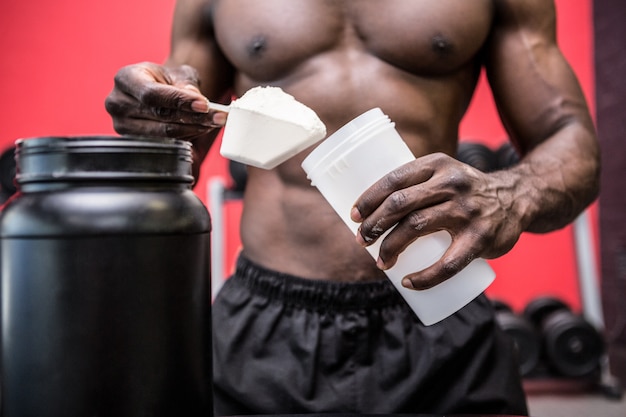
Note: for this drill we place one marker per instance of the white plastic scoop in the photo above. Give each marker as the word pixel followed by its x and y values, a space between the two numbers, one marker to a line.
pixel 219 107
pixel 267 126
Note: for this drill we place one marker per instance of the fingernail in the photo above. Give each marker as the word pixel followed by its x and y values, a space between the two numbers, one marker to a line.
pixel 219 118
pixel 407 283
pixel 355 214
pixel 200 106
pixel 380 264
pixel 362 240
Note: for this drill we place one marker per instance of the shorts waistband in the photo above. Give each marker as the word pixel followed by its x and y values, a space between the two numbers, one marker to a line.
pixel 315 294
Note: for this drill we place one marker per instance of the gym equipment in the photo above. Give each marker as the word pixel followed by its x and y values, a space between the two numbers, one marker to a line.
pixel 239 174
pixel 523 333
pixel 219 193
pixel 571 346
pixel 477 155
pixel 7 174
pixel 590 296
pixel 506 155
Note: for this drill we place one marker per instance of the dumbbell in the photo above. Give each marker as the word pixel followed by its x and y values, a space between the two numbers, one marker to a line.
pixel 7 172
pixel 239 174
pixel 506 155
pixel 571 346
pixel 523 333
pixel 477 155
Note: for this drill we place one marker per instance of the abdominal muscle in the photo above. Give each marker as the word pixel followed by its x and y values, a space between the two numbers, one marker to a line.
pixel 290 228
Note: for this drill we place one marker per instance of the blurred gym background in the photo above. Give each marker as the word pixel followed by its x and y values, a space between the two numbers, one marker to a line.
pixel 58 65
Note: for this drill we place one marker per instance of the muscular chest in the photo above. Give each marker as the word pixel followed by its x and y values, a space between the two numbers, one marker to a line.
pixel 271 38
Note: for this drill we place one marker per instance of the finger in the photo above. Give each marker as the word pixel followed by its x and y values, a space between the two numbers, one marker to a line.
pixel 413 226
pixel 167 96
pixel 121 105
pixel 155 128
pixel 446 181
pixel 169 115
pixel 460 254
pixel 395 207
pixel 150 86
pixel 184 76
pixel 405 203
pixel 398 179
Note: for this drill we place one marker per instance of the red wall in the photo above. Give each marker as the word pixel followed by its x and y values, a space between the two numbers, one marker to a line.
pixel 60 58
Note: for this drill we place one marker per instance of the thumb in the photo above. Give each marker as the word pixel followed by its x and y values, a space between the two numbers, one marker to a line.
pixel 199 104
pixel 186 77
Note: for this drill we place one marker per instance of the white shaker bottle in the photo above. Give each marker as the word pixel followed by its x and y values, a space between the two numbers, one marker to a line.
pixel 350 161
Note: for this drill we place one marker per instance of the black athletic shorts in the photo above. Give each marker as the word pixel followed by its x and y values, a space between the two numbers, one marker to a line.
pixel 288 345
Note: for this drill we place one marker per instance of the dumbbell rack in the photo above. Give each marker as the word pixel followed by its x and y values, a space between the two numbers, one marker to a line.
pixel 486 159
pixel 590 296
pixel 602 380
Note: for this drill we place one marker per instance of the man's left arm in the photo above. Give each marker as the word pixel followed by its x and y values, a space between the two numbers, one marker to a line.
pixel 545 113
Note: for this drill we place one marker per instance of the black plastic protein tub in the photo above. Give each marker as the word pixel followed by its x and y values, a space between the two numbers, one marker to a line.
pixel 105 281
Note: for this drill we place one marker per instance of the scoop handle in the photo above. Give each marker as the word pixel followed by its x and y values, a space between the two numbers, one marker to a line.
pixel 219 107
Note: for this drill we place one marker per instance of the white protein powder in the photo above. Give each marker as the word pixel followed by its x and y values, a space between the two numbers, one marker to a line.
pixel 275 103
pixel 267 126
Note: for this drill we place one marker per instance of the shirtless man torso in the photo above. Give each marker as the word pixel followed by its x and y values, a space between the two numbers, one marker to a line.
pixel 419 61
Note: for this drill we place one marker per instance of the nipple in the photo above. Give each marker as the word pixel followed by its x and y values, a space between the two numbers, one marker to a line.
pixel 441 45
pixel 257 46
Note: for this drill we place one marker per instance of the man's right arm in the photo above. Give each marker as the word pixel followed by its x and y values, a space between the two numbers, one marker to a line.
pixel 193 43
pixel 170 100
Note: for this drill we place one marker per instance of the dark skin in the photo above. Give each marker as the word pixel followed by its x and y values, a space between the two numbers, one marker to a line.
pixel 419 62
